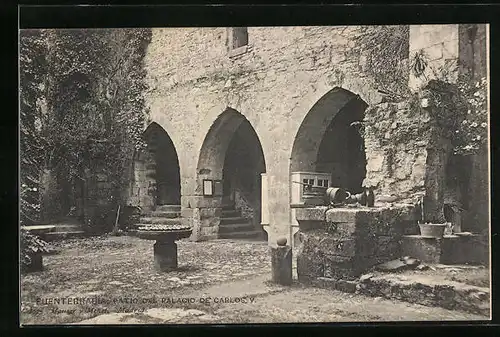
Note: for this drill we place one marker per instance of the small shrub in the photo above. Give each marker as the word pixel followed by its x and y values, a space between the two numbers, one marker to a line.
pixel 30 245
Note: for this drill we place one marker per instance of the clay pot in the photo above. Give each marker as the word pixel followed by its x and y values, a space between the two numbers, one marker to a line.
pixel 430 230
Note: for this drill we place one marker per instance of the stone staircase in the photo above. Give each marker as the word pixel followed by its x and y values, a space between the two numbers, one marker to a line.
pixel 234 226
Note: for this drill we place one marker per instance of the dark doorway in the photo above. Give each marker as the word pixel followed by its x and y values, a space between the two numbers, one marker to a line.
pixel 341 151
pixel 243 165
pixel 166 166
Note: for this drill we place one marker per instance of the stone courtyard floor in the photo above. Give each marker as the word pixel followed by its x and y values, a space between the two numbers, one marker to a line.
pixel 111 280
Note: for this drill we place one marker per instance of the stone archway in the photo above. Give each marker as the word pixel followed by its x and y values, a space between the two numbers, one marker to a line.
pixel 328 143
pixel 231 161
pixel 326 136
pixel 157 172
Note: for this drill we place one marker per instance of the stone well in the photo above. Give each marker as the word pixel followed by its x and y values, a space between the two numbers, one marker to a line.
pixel 341 243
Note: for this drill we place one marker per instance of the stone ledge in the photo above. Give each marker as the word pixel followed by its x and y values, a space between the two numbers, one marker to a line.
pixel 348 214
pixel 427 291
pixel 451 249
pixel 340 285
pixel 311 214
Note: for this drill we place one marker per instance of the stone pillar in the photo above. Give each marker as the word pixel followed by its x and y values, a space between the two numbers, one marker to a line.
pixel 165 256
pixel 281 263
pixel 264 221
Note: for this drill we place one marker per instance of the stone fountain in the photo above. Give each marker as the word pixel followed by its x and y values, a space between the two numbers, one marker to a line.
pixel 165 248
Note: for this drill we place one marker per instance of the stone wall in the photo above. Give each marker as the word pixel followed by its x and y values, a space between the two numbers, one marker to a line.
pixel 276 79
pixel 273 82
pixel 396 149
pixel 343 243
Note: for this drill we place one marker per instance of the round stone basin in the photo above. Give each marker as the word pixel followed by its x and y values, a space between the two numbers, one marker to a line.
pixel 173 234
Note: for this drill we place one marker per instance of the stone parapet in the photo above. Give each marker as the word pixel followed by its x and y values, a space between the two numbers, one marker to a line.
pixel 341 243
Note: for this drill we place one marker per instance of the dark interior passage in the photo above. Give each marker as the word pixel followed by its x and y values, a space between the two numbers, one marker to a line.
pixel 341 151
pixel 243 165
pixel 166 164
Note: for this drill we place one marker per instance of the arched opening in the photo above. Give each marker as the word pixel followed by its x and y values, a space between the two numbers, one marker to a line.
pixel 232 157
pixel 328 142
pixel 328 150
pixel 158 170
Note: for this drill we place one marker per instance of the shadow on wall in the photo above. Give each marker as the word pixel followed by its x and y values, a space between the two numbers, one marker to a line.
pixel 328 142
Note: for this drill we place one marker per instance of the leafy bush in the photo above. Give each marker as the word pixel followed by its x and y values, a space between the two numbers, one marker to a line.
pixel 31 244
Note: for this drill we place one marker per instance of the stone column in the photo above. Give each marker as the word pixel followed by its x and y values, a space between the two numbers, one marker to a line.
pixel 165 256
pixel 281 262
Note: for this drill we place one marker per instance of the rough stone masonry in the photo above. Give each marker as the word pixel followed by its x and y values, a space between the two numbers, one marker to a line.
pixel 203 88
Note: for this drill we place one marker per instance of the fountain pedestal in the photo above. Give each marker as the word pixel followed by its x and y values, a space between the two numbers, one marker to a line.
pixel 165 256
pixel 165 248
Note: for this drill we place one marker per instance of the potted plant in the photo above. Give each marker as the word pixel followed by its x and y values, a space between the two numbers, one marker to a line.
pixel 32 250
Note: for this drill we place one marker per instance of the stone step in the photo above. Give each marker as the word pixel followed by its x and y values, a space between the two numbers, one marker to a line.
pixel 427 290
pixel 235 220
pixel 241 235
pixel 234 213
pixel 163 221
pixel 451 249
pixel 67 228
pixel 168 208
pixel 56 236
pixel 228 207
pixel 165 214
pixel 39 229
pixel 233 228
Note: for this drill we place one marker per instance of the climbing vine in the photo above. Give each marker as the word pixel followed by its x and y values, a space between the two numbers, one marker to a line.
pixel 457 107
pixel 92 88
pixel 32 67
pixel 386 49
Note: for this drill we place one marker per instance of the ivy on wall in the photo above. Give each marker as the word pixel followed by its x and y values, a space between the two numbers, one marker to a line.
pixel 459 108
pixel 91 84
pixel 386 51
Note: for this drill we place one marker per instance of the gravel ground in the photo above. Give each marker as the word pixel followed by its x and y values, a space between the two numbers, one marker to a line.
pixel 119 272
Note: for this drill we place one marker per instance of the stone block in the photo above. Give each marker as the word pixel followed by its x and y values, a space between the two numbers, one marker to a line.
pixel 346 270
pixel 344 215
pixel 308 269
pixel 425 249
pixel 451 249
pixel 366 246
pixel 165 256
pixel 434 52
pixel 207 213
pixel 336 284
pixel 325 282
pixel 186 212
pixel 204 202
pixel 465 249
pixel 311 214
pixel 209 230
pixel 281 264
pixel 346 286
pixel 387 248
pixel 36 263
pixel 374 162
pixel 341 229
